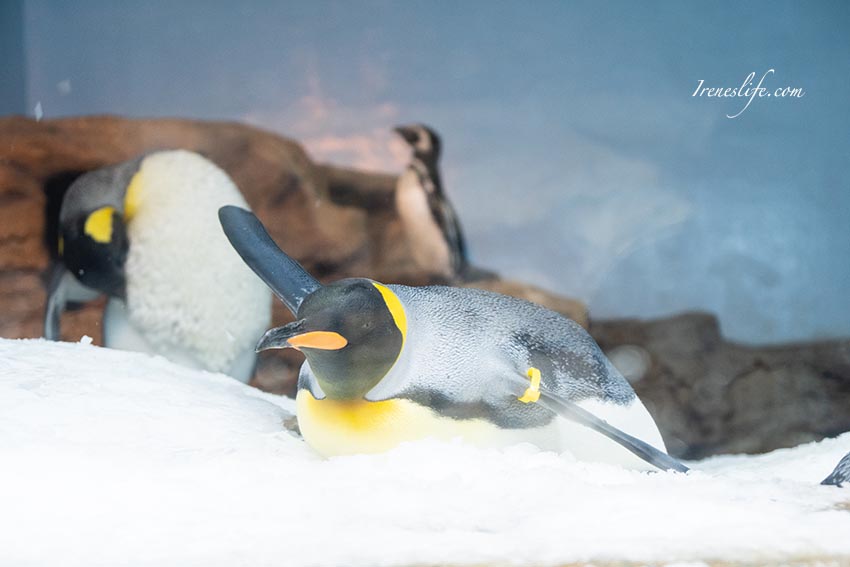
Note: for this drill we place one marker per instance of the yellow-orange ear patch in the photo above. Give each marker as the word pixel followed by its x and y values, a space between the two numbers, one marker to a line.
pixel 395 307
pixel 131 197
pixel 99 225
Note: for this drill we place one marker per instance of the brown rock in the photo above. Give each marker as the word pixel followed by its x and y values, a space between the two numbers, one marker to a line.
pixel 713 396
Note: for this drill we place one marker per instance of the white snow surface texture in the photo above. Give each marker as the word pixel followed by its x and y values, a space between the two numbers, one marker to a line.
pixel 117 458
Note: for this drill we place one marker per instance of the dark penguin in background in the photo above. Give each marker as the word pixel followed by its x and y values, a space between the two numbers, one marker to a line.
pixel 431 224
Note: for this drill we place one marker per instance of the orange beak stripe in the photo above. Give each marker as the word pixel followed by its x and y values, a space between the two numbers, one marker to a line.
pixel 325 340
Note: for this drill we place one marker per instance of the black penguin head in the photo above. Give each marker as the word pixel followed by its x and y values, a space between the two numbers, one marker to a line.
pixel 93 246
pixel 351 331
pixel 424 141
pixel 93 242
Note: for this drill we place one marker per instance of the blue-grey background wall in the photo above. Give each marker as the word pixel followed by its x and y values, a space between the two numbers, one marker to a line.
pixel 574 150
pixel 12 70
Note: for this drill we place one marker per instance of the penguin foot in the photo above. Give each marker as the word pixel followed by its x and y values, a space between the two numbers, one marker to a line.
pixel 532 393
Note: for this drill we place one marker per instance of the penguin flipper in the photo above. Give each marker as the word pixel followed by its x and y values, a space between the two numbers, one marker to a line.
pixel 572 411
pixel 55 303
pixel 286 277
pixel 645 451
pixel 841 474
pixel 62 288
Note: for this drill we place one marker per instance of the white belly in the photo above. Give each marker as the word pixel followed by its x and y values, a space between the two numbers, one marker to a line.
pixel 190 297
pixel 120 333
pixel 334 428
pixel 352 427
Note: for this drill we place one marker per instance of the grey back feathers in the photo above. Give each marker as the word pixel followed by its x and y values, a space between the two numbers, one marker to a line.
pixel 286 278
pixel 460 339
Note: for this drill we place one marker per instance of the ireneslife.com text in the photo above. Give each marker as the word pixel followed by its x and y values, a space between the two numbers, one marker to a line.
pixel 748 91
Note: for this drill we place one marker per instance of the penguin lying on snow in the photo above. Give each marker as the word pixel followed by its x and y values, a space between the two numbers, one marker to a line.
pixel 391 363
pixel 145 233
pixel 426 213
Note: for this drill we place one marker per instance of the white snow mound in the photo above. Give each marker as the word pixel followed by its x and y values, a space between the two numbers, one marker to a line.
pixel 116 458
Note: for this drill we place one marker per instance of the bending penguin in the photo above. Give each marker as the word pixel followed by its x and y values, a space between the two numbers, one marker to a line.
pixel 431 224
pixel 391 363
pixel 145 233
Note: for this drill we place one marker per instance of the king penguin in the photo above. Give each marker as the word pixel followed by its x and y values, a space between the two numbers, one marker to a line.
pixel 390 363
pixel 145 233
pixel 429 220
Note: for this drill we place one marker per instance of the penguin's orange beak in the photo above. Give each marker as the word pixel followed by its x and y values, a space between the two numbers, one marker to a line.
pixel 325 340
pixel 295 335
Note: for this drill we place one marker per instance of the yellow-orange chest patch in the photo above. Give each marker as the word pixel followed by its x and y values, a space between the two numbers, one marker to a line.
pixel 346 427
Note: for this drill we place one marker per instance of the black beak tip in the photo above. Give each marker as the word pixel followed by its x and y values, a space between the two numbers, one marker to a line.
pixel 263 343
pixel 278 337
pixel 264 346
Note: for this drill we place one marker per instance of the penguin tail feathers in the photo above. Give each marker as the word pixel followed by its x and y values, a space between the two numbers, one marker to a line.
pixel 286 277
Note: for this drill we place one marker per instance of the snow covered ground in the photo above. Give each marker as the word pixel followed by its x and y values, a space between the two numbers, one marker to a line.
pixel 113 458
